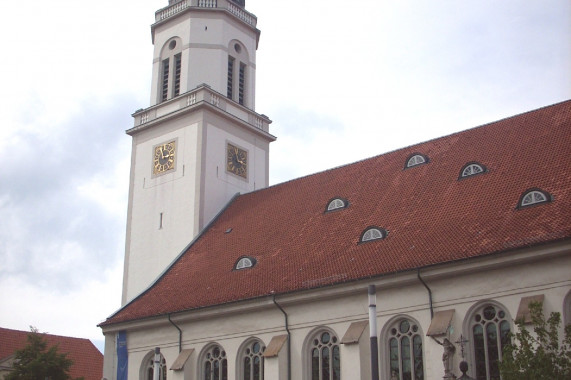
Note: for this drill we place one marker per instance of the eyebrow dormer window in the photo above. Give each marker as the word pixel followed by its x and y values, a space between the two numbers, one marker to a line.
pixel 245 263
pixel 533 197
pixel 373 233
pixel 337 203
pixel 415 160
pixel 472 168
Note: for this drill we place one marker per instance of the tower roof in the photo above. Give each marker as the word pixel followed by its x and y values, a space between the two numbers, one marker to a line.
pixel 426 211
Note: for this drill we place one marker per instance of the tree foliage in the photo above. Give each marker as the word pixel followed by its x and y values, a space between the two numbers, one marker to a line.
pixel 38 362
pixel 540 355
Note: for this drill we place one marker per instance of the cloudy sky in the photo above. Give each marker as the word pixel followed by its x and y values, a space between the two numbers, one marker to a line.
pixel 342 81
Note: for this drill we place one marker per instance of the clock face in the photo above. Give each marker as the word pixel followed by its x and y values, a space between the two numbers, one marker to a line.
pixel 163 159
pixel 237 161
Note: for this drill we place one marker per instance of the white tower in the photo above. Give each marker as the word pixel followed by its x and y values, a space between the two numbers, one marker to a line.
pixel 200 142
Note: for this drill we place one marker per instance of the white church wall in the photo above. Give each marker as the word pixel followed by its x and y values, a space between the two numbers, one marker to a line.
pixel 461 287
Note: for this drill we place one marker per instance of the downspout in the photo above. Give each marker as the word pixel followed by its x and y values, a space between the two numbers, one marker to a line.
pixel 288 338
pixel 429 301
pixel 429 294
pixel 179 334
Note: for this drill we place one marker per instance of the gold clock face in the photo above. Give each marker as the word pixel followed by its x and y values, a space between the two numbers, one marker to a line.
pixel 237 161
pixel 163 159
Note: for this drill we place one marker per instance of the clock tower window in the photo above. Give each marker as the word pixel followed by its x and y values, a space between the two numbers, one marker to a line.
pixel 171 68
pixel 230 82
pixel 236 84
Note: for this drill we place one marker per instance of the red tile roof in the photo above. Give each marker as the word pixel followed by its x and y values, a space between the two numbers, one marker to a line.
pixel 431 217
pixel 87 360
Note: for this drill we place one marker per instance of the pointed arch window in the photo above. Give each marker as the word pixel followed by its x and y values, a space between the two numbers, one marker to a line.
pixel 214 364
pixel 150 370
pixel 372 233
pixel 533 197
pixel 415 160
pixel 404 340
pixel 245 263
pixel 336 204
pixel 471 169
pixel 325 356
pixel 489 330
pixel 252 361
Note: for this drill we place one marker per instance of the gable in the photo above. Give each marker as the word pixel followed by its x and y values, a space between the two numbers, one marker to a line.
pixel 429 215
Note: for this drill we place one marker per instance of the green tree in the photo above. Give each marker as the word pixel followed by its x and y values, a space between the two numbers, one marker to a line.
pixel 541 355
pixel 38 362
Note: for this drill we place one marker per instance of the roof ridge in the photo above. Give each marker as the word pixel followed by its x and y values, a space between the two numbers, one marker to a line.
pixel 407 147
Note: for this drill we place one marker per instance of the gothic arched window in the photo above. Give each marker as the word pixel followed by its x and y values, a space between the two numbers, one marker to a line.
pixel 252 361
pixel 214 364
pixel 325 356
pixel 149 369
pixel 489 330
pixel 404 340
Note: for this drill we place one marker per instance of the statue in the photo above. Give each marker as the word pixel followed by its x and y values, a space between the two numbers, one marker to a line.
pixel 447 357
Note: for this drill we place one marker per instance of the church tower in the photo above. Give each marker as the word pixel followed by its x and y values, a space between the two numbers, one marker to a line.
pixel 200 142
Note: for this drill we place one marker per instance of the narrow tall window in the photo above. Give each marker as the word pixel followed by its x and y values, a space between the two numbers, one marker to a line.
pixel 325 357
pixel 490 329
pixel 177 68
pixel 253 361
pixel 165 80
pixel 241 83
pixel 405 351
pixel 170 71
pixel 229 84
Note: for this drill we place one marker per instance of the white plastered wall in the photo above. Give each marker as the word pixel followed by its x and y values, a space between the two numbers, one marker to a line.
pixel 460 287
pixel 151 247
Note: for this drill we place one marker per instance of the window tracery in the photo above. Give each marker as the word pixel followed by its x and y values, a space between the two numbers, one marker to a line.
pixel 489 330
pixel 253 361
pixel 406 360
pixel 325 356
pixel 214 364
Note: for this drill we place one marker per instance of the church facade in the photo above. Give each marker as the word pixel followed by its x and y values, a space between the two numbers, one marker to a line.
pixel 227 278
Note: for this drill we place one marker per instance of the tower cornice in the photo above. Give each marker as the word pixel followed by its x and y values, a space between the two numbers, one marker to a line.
pixel 184 6
pixel 202 96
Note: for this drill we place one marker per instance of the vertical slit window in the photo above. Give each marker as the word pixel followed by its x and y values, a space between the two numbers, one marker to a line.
pixel 229 84
pixel 177 68
pixel 165 80
pixel 241 83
